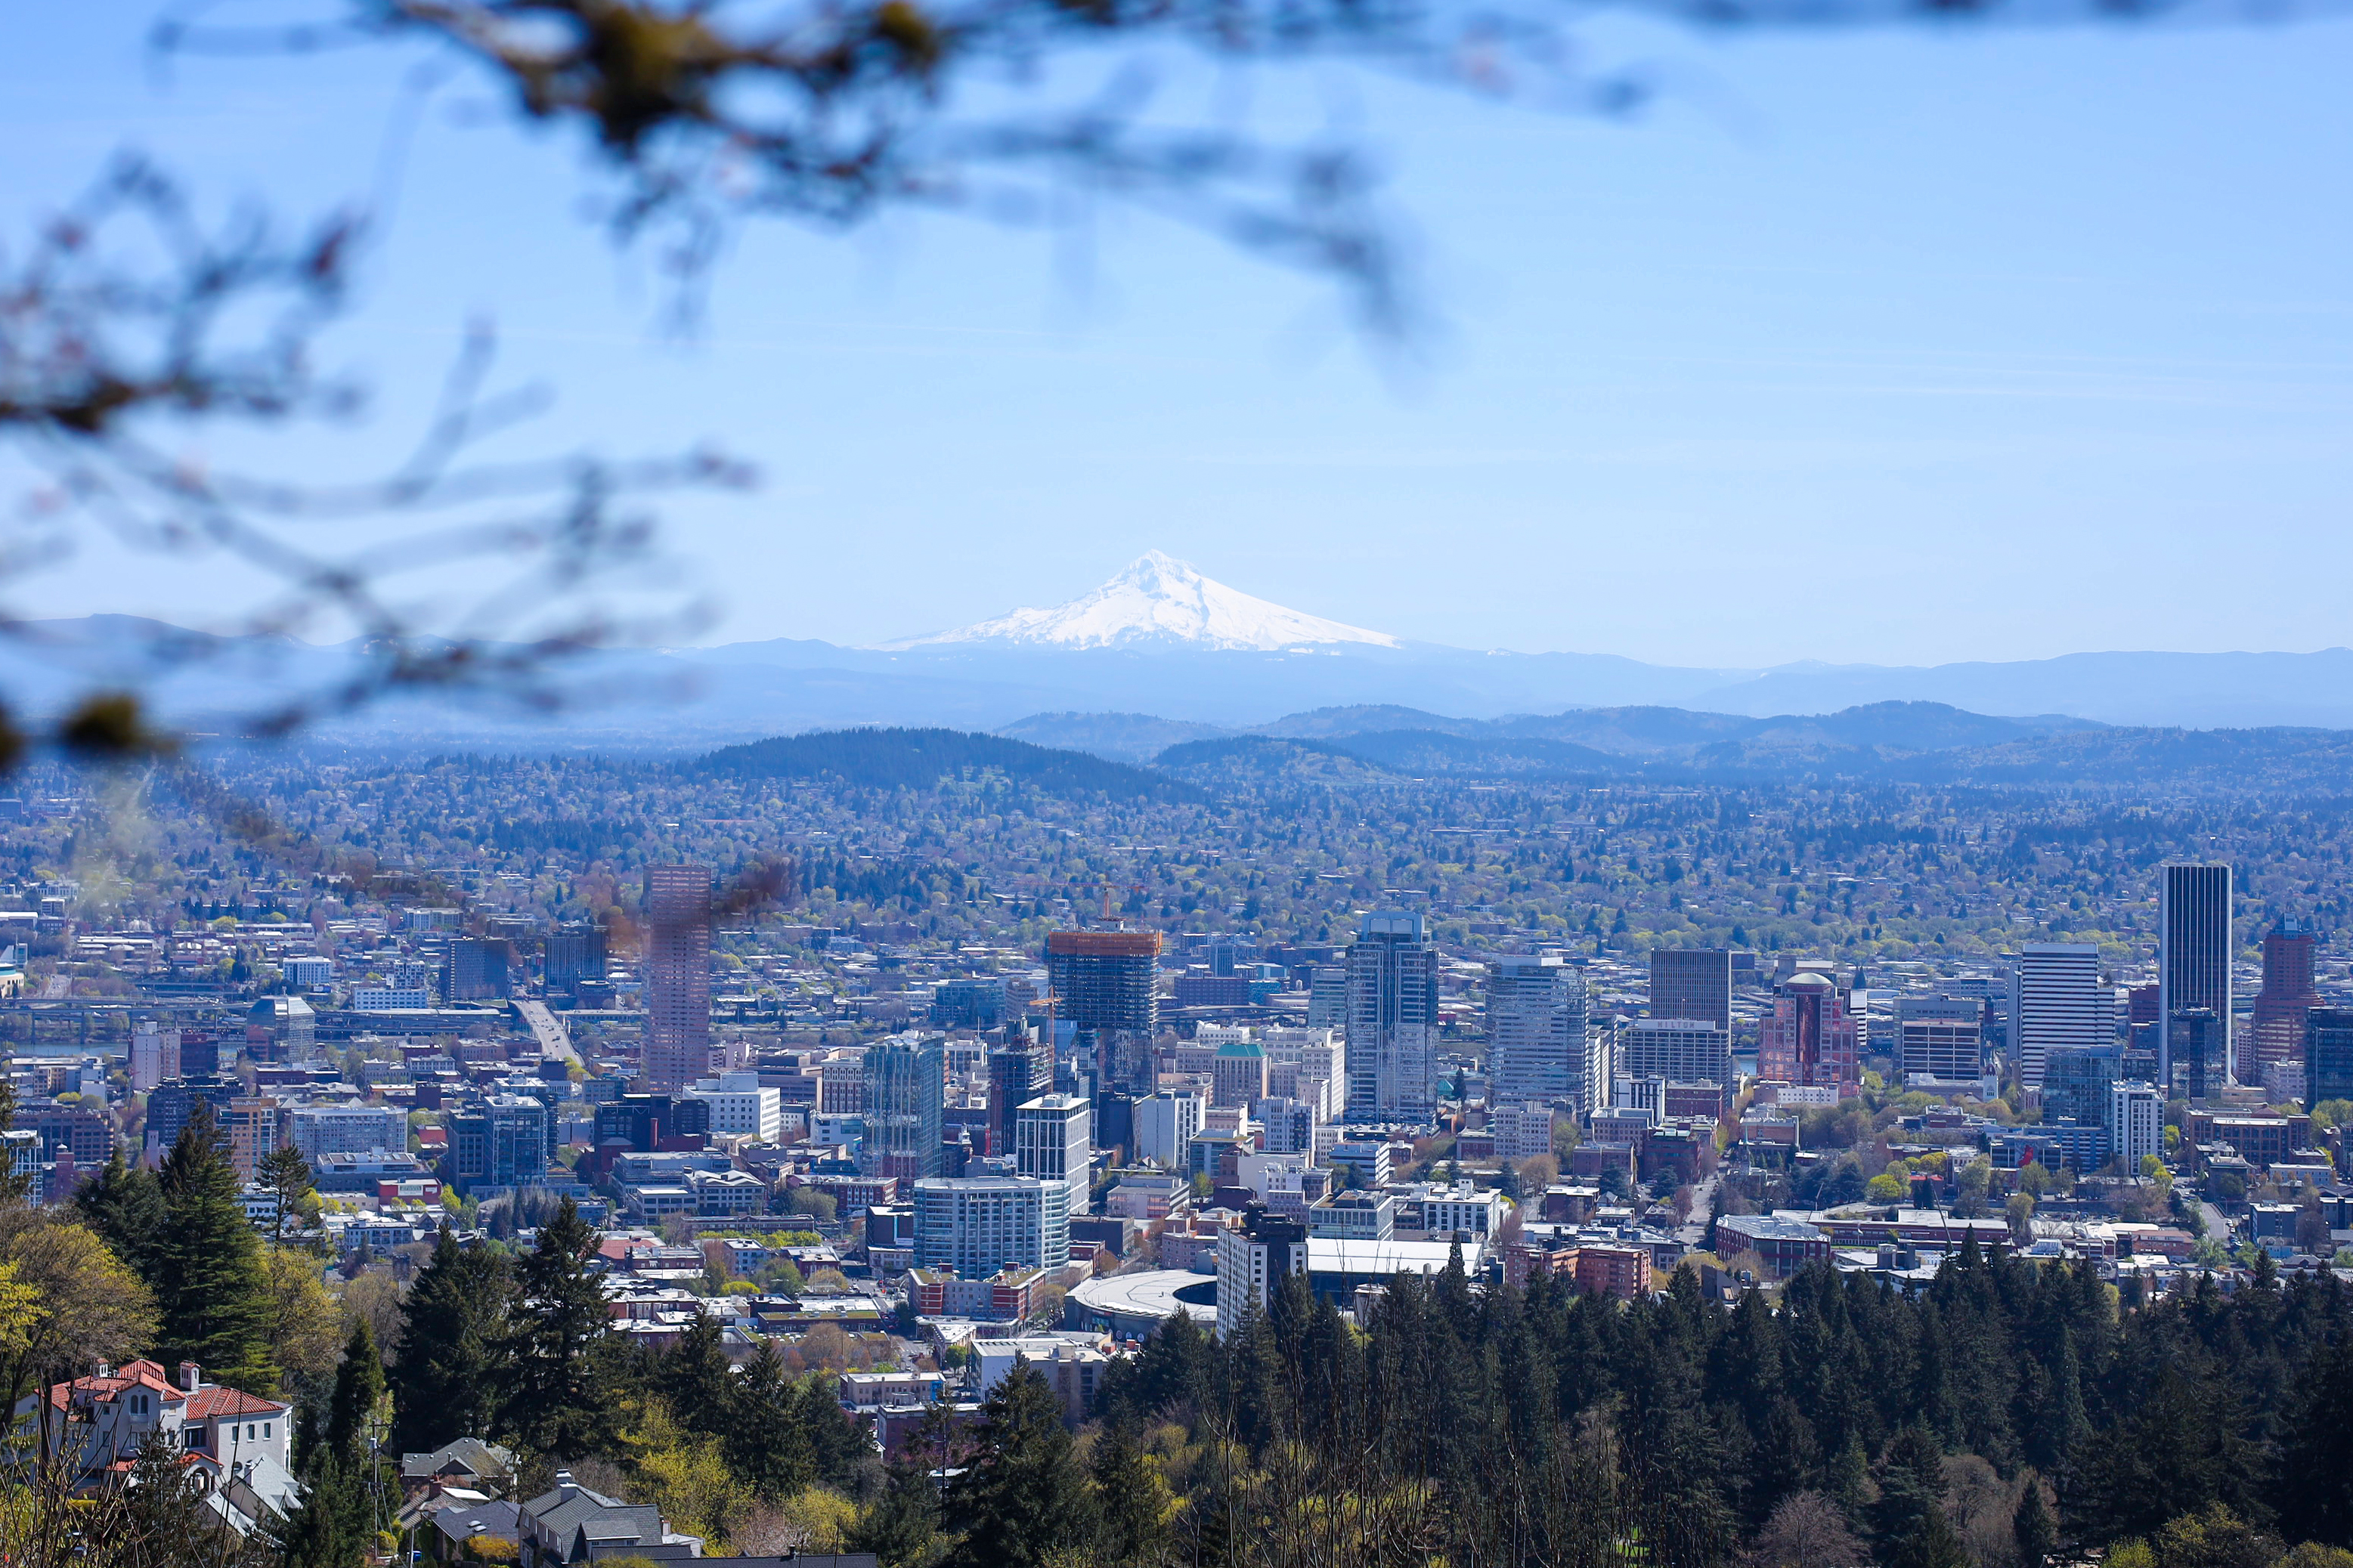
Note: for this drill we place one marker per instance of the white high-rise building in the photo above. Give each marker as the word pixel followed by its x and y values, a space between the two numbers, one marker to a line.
pixel 1679 1051
pixel 2058 1003
pixel 1166 1125
pixel 1251 1262
pixel 155 1056
pixel 2136 1122
pixel 1392 1020
pixel 739 1105
pixel 1310 1066
pixel 1535 1031
pixel 1327 998
pixel 979 1225
pixel 1521 1132
pixel 320 1129
pixel 1053 1140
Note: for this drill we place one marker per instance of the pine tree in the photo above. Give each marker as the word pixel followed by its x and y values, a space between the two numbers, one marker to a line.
pixel 693 1378
pixel 443 1382
pixel 124 1204
pixel 359 1389
pixel 2315 1462
pixel 765 1440
pixel 1131 1501
pixel 558 1346
pixel 287 1174
pixel 1023 1501
pixel 2037 1539
pixel 901 1525
pixel 211 1290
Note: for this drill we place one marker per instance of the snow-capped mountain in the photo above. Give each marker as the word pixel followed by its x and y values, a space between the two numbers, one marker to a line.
pixel 1158 601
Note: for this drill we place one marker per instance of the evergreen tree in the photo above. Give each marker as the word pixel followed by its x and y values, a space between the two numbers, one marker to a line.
pixel 211 1291
pixel 322 1532
pixel 452 1325
pixel 2030 1524
pixel 1911 1493
pixel 558 1363
pixel 1130 1499
pixel 765 1440
pixel 902 1526
pixel 359 1389
pixel 839 1445
pixel 2315 1462
pixel 123 1204
pixel 1022 1501
pixel 693 1379
pixel 287 1175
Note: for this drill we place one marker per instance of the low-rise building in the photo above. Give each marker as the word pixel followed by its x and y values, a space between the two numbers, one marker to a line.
pixel 1786 1245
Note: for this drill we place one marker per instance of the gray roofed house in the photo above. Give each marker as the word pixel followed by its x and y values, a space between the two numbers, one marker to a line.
pixel 466 1459
pixel 454 1526
pixel 574 1524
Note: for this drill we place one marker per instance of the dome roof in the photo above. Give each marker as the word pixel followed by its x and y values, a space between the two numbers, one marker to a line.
pixel 1808 980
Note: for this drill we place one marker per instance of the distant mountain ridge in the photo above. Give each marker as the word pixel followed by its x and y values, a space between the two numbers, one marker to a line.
pixel 1591 736
pixel 1159 655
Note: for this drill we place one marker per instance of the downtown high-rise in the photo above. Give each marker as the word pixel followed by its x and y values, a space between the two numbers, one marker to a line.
pixel 2193 966
pixel 1535 1032
pixel 1693 983
pixel 1392 1020
pixel 2058 1004
pixel 677 976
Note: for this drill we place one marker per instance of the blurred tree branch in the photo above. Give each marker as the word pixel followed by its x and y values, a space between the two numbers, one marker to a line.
pixel 127 320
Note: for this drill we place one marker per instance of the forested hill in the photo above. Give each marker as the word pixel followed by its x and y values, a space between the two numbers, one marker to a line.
pixel 918 759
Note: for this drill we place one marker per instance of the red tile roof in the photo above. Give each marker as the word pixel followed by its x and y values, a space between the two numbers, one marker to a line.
pixel 207 1401
pixel 213 1400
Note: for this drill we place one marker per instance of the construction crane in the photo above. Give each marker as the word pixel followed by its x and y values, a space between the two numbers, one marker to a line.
pixel 1107 890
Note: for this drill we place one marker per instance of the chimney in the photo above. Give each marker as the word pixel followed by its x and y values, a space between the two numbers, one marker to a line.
pixel 565 1485
pixel 191 1377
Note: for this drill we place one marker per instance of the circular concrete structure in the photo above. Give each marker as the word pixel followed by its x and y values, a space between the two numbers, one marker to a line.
pixel 1132 1305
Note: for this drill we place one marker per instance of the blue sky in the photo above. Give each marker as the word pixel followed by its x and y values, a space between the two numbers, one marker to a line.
pixel 1892 346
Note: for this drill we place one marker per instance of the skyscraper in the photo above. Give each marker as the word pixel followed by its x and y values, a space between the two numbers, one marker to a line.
pixel 2195 1065
pixel 677 976
pixel 2276 1032
pixel 575 952
pixel 1054 1141
pixel 1808 1038
pixel 1019 1071
pixel 1678 1050
pixel 2193 955
pixel 1392 1020
pixel 906 1087
pixel 2327 1055
pixel 2057 1003
pixel 474 967
pixel 1104 982
pixel 1940 1036
pixel 1535 1032
pixel 1691 983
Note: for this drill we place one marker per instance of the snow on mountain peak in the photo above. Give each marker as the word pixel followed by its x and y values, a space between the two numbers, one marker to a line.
pixel 1158 601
